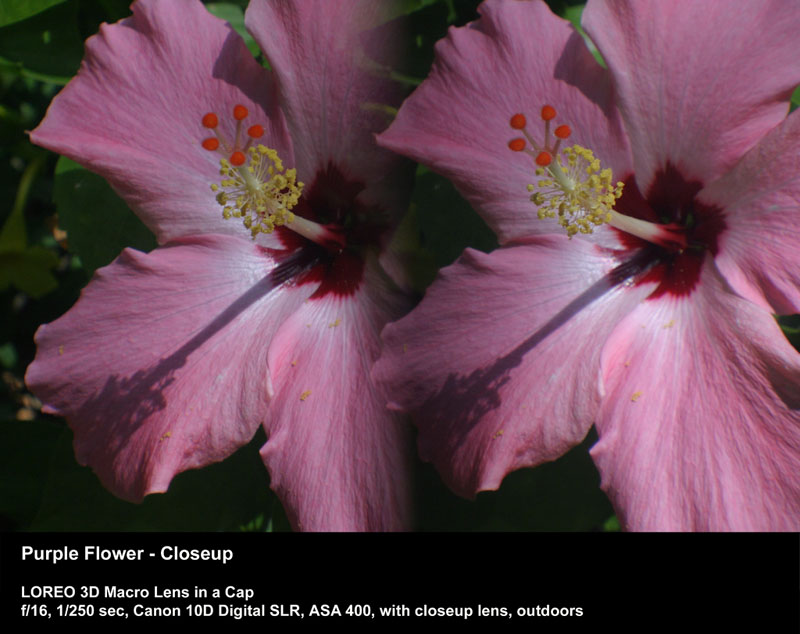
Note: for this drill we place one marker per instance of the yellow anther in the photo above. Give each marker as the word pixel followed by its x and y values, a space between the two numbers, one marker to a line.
pixel 582 194
pixel 259 192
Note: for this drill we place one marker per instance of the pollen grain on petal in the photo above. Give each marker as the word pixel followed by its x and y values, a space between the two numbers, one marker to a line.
pixel 305 395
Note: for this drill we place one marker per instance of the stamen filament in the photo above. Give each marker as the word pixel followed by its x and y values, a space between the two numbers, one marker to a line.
pixel 669 236
pixel 316 232
pixel 223 142
pixel 547 133
pixel 531 140
pixel 566 183
pixel 252 183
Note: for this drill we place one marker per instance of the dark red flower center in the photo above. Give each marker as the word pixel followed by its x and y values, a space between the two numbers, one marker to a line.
pixel 332 200
pixel 671 199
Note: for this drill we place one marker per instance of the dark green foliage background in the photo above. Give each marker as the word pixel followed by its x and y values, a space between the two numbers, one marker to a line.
pixel 41 485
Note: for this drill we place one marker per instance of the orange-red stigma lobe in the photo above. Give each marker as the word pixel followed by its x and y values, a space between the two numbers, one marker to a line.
pixel 232 148
pixel 518 121
pixel 542 155
pixel 548 113
pixel 563 131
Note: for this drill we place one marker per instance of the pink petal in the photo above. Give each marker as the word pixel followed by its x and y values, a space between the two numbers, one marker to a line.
pixel 133 113
pixel 490 360
pixel 336 457
pixel 700 424
pixel 699 82
pixel 760 250
pixel 332 65
pixel 517 58
pixel 161 366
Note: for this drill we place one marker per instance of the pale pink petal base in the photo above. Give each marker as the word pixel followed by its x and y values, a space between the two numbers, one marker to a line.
pixel 161 366
pixel 515 59
pixel 338 460
pixel 489 361
pixel 759 249
pixel 700 424
pixel 133 113
pixel 699 82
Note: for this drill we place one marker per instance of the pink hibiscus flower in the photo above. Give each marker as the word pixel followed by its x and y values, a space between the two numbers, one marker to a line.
pixel 657 329
pixel 264 303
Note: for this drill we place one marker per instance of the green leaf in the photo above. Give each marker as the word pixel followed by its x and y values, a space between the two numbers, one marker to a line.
pixel 790 324
pixel 15 10
pixel 98 222
pixel 16 68
pixel 224 496
pixel 29 270
pixel 25 450
pixel 8 355
pixel 795 102
pixel 235 16
pixel 257 525
pixel 448 223
pixel 611 525
pixel 14 236
pixel 573 14
pixel 555 496
pixel 404 7
pixel 419 264
pixel 47 43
